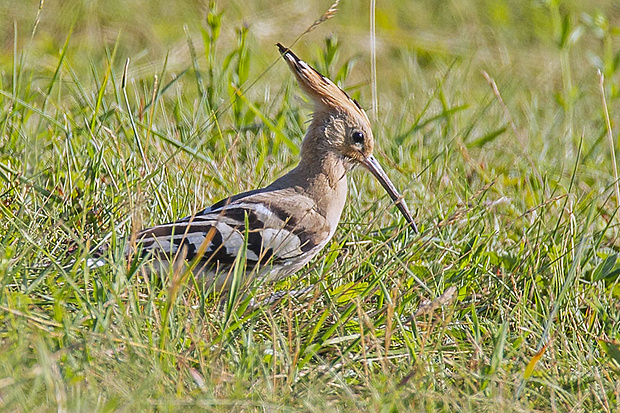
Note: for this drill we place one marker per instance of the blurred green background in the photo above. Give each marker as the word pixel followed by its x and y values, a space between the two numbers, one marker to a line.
pixel 541 53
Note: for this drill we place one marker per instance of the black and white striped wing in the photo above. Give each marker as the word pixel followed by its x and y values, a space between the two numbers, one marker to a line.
pixel 280 230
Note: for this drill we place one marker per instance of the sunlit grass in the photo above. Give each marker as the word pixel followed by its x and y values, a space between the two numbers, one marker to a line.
pixel 490 120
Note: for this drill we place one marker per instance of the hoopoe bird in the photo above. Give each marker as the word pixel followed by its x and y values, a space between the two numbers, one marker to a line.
pixel 290 220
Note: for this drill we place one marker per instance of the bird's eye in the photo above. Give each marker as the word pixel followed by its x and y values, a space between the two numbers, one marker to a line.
pixel 358 137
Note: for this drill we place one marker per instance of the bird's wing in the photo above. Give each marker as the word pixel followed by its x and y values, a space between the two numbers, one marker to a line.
pixel 282 225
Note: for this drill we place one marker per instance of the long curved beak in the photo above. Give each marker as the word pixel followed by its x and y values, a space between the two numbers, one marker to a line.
pixel 373 166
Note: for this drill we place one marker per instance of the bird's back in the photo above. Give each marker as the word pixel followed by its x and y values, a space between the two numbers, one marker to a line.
pixel 284 231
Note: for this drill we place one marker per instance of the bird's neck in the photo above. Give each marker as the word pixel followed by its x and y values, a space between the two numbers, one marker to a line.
pixel 322 177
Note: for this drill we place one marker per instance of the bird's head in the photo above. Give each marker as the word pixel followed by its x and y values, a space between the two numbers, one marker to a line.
pixel 339 122
pixel 339 126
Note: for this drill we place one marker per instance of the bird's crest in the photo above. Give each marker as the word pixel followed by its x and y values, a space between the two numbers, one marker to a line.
pixel 322 90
